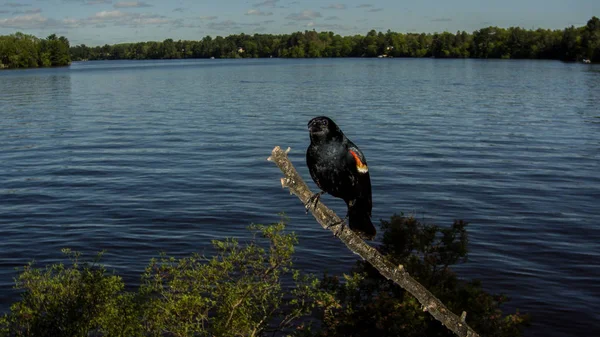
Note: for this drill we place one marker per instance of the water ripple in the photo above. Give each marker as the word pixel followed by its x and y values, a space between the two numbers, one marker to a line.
pixel 141 157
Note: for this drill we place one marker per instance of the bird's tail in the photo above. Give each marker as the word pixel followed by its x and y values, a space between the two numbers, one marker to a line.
pixel 359 216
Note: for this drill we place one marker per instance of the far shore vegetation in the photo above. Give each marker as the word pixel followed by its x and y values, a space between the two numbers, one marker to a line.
pixel 254 289
pixel 581 44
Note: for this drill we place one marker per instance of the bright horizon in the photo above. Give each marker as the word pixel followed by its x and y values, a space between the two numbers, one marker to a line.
pixel 99 22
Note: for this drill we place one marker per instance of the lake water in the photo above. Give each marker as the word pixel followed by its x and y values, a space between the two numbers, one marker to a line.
pixel 138 157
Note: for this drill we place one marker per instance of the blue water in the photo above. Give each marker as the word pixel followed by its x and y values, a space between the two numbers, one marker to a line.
pixel 138 157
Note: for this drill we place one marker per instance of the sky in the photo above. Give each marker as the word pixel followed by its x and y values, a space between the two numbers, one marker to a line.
pixel 99 22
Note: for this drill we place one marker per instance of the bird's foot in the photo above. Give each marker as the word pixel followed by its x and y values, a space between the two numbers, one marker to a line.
pixel 341 225
pixel 313 200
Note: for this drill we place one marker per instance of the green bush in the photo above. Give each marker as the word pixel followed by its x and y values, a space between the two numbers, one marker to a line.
pixel 368 304
pixel 239 292
pixel 63 301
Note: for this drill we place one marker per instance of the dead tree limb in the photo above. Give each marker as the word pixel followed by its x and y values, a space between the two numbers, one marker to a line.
pixel 326 218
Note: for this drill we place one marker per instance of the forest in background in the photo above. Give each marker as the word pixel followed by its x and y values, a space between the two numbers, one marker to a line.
pixel 569 44
pixel 27 51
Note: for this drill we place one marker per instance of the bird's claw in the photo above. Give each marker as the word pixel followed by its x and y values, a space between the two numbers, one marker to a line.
pixel 314 199
pixel 341 225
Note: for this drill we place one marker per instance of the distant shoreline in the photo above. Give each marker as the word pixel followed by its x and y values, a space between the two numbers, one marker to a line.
pixel 572 44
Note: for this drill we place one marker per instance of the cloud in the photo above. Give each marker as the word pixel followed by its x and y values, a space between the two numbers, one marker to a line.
pixel 99 19
pixel 441 20
pixel 223 25
pixel 208 18
pixel 131 4
pixel 28 22
pixel 119 18
pixel 258 12
pixel 229 25
pixel 16 4
pixel 305 15
pixel 327 27
pixel 179 9
pixel 364 6
pixel 373 10
pixel 266 3
pixel 331 18
pixel 335 6
pixel 29 11
pixel 98 2
pixel 108 15
pixel 3 11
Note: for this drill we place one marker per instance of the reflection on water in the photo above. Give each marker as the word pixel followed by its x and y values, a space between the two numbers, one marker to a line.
pixel 141 157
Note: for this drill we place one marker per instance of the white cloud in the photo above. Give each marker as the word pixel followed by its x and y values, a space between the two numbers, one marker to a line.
pixel 335 6
pixel 16 4
pixel 305 15
pixel 104 15
pixel 99 19
pixel 223 25
pixel 131 4
pixel 258 12
pixel 229 25
pixel 29 11
pixel 266 3
pixel 27 22
pixel 98 2
pixel 330 27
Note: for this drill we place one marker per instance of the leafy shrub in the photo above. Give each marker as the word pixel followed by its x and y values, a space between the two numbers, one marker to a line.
pixel 239 292
pixel 368 304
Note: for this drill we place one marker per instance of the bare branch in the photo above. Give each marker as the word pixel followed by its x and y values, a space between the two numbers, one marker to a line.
pixel 326 217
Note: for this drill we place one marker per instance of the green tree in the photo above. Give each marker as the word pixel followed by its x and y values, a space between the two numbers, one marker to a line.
pixel 571 44
pixel 591 39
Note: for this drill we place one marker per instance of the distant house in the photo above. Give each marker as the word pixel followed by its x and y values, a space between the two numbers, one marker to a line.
pixel 240 50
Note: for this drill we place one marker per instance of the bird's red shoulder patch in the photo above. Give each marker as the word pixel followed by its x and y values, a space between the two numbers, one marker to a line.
pixel 360 166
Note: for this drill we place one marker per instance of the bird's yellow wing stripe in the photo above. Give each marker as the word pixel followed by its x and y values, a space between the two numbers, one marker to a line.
pixel 360 166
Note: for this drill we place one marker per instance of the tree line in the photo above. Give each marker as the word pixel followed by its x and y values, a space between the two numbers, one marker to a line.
pixel 27 51
pixel 569 44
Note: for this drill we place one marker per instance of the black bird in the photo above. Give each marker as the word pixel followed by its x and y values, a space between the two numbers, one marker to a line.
pixel 339 168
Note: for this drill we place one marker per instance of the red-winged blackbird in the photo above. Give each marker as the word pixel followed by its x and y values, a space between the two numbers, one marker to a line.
pixel 339 168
